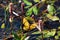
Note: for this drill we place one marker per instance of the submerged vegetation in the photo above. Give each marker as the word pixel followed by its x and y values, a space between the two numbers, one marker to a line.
pixel 30 19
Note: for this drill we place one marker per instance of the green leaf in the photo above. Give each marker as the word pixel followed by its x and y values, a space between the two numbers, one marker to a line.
pixel 58 33
pixel 24 37
pixel 27 7
pixel 52 32
pixel 15 36
pixel 29 12
pixel 29 18
pixel 27 2
pixel 7 7
pixel 36 0
pixel 59 27
pixel 3 25
pixel 56 37
pixel 53 18
pixel 35 10
pixel 49 33
pixel 51 9
pixel 43 0
pixel 37 32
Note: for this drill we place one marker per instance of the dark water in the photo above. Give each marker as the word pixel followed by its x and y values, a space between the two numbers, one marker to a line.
pixel 17 23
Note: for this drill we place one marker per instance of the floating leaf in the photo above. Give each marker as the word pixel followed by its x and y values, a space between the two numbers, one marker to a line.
pixel 43 0
pixel 27 2
pixel 53 18
pixel 58 33
pixel 3 25
pixel 52 32
pixel 49 33
pixel 51 9
pixel 35 10
pixel 36 0
pixel 56 37
pixel 29 12
pixel 59 27
pixel 36 32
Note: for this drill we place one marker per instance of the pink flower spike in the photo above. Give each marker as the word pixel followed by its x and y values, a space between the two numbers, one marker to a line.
pixel 40 25
pixel 10 7
pixel 32 16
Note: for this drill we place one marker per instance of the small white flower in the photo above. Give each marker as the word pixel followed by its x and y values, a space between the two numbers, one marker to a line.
pixel 19 1
pixel 10 19
pixel 48 7
pixel 15 14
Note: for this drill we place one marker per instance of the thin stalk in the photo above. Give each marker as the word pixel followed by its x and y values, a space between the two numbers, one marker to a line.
pixel 5 17
pixel 11 16
pixel 22 8
pixel 22 11
pixel 40 27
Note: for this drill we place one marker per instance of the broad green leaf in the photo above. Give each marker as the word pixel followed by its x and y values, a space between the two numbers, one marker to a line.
pixel 36 0
pixel 29 12
pixel 51 9
pixel 3 25
pixel 35 10
pixel 53 18
pixel 27 2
